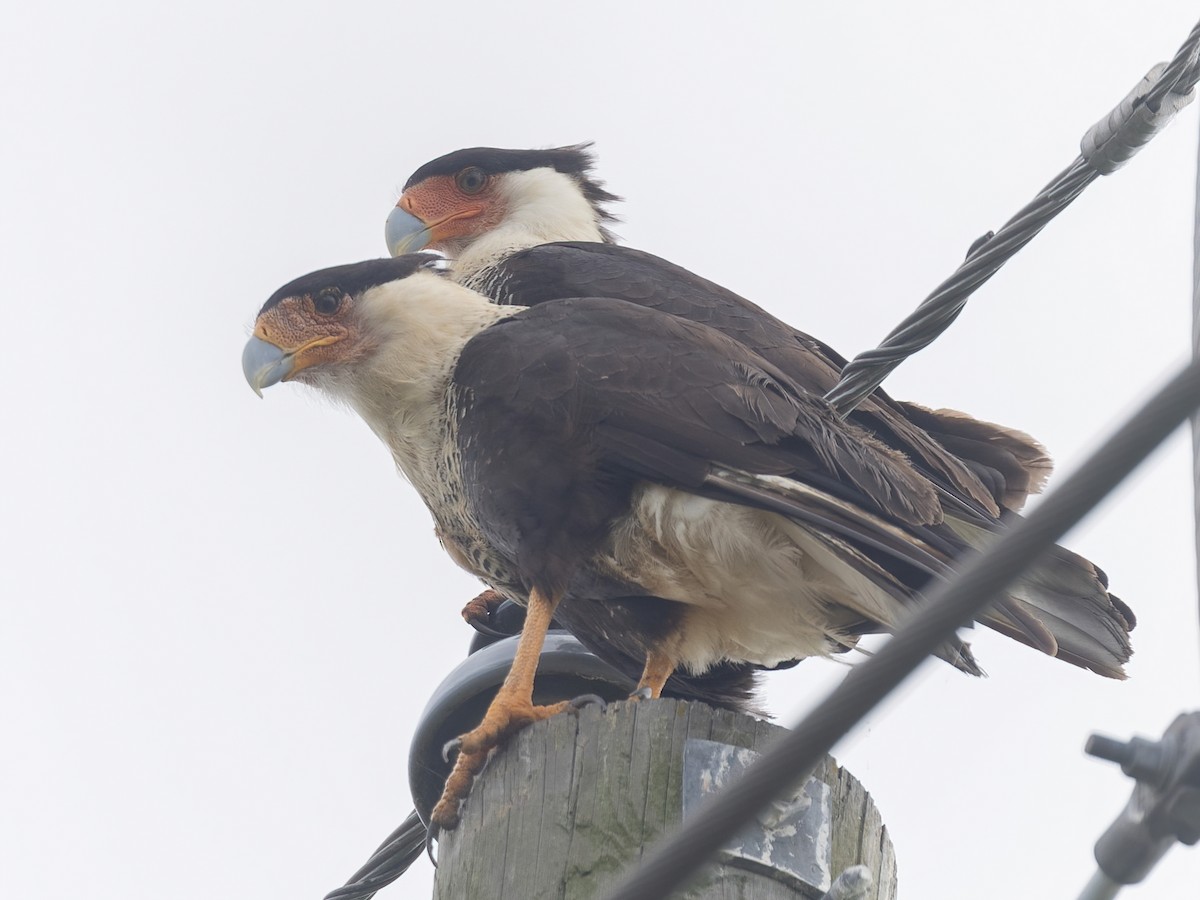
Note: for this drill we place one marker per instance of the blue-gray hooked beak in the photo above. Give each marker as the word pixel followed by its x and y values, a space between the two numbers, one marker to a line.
pixel 405 233
pixel 265 364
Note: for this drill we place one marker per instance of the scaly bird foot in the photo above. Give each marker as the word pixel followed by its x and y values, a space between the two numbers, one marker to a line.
pixel 454 746
pixel 503 719
pixel 479 611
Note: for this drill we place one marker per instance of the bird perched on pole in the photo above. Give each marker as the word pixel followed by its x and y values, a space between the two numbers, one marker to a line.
pixel 654 483
pixel 527 226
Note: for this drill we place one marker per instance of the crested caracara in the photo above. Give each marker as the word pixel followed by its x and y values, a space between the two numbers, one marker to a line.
pixel 526 226
pixel 661 488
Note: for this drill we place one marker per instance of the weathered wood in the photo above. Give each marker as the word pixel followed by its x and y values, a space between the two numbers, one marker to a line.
pixel 571 802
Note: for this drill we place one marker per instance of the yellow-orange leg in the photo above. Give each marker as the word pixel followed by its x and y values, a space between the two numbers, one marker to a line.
pixel 659 666
pixel 510 711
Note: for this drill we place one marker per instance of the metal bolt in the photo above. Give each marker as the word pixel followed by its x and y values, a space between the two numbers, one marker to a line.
pixel 1139 758
pixel 1108 748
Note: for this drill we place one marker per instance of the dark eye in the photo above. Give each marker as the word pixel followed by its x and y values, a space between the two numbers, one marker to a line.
pixel 471 180
pixel 327 304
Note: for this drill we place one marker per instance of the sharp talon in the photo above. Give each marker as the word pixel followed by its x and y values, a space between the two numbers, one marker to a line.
pixel 450 748
pixel 431 836
pixel 642 693
pixel 579 703
pixel 481 614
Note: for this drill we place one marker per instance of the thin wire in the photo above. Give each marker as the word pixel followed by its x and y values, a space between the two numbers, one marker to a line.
pixel 671 863
pixel 1101 887
pixel 867 371
pixel 1196 355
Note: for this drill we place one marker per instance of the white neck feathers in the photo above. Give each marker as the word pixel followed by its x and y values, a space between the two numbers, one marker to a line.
pixel 541 206
pixel 416 329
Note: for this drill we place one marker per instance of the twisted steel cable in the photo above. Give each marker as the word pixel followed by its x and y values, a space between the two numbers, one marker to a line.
pixel 1108 145
pixel 387 863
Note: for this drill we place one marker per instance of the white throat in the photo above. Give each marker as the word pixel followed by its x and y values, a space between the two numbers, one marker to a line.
pixel 418 327
pixel 541 206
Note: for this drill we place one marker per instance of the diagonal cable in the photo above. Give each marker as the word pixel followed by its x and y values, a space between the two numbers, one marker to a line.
pixel 401 849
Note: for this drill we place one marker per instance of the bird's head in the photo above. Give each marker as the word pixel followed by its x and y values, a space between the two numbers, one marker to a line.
pixel 318 328
pixel 537 195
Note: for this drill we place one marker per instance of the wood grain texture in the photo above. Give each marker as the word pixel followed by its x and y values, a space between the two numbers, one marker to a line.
pixel 572 801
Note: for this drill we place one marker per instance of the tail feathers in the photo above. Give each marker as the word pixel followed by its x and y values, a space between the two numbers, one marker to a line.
pixel 1009 462
pixel 1062 607
pixel 875 601
pixel 1091 638
pixel 1025 625
pixel 958 653
pixel 1091 628
pixel 727 685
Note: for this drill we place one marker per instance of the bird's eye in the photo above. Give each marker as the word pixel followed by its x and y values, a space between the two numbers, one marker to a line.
pixel 471 180
pixel 327 304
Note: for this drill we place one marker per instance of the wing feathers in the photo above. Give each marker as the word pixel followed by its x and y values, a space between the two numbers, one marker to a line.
pixel 555 271
pixel 1060 607
pixel 810 506
pixel 604 393
pixel 1012 463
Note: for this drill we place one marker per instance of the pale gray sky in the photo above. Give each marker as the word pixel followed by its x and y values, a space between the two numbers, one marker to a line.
pixel 222 616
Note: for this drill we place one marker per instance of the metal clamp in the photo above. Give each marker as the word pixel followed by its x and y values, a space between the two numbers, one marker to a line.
pixel 1165 805
pixel 792 838
pixel 1113 141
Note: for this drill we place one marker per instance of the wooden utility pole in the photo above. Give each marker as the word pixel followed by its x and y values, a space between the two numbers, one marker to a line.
pixel 572 801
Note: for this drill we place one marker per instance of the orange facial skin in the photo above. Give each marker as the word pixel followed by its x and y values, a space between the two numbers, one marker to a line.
pixel 310 337
pixel 450 213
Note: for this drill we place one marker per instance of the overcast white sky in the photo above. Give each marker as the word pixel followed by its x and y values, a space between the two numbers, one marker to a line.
pixel 222 616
